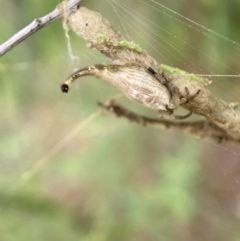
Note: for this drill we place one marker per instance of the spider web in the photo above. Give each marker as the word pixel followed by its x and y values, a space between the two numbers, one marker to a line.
pixel 161 31
pixel 112 154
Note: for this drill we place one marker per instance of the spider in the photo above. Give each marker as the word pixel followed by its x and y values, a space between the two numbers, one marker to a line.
pixel 138 84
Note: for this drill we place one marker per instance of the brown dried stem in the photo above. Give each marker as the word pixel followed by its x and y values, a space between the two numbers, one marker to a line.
pixel 203 129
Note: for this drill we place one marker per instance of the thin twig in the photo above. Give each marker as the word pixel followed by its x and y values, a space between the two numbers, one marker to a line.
pixel 202 129
pixel 37 24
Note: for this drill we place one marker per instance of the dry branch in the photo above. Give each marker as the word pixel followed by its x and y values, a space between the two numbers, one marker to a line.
pixel 37 24
pixel 202 128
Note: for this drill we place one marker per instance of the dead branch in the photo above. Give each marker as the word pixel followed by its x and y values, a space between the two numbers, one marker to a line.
pixel 203 129
pixel 37 24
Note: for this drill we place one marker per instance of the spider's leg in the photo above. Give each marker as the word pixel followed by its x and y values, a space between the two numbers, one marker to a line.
pixel 179 99
pixel 165 114
pixel 190 97
pixel 162 78
pixel 168 115
pixel 181 117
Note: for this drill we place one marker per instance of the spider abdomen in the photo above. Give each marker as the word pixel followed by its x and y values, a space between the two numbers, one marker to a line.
pixel 136 83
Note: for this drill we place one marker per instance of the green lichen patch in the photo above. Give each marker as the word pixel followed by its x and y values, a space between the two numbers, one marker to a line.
pixel 120 44
pixel 193 77
pixel 234 105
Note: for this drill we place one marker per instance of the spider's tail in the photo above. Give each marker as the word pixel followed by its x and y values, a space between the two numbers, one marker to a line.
pixel 85 71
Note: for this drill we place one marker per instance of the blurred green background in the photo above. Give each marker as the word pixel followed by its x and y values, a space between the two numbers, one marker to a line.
pixel 113 180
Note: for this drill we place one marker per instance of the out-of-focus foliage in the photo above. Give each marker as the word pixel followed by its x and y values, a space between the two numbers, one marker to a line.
pixel 112 180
